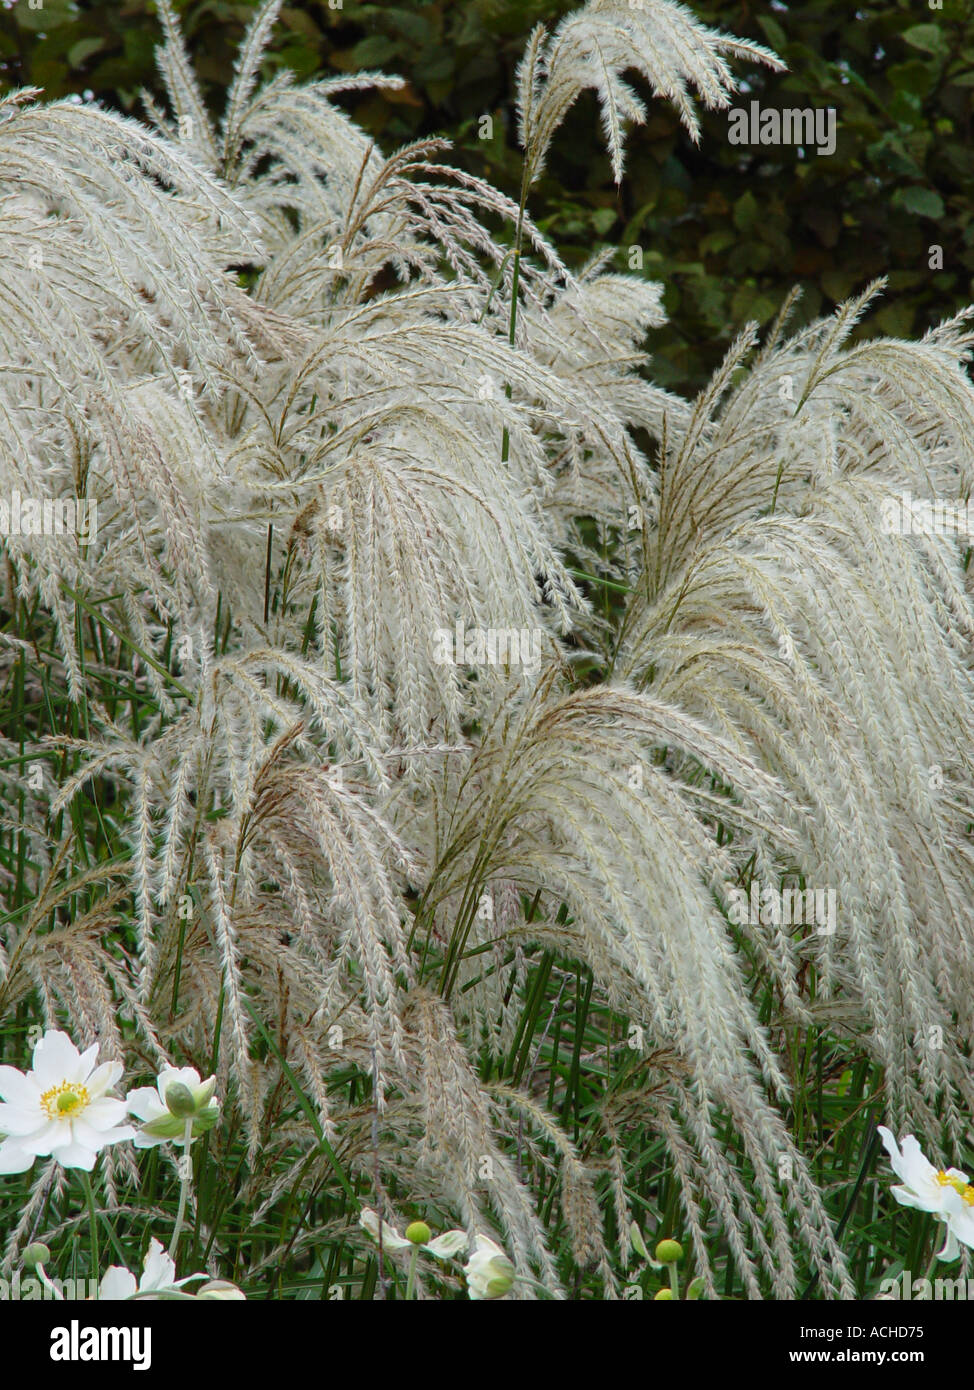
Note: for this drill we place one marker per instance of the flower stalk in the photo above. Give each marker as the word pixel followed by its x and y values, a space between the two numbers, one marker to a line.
pixel 185 1179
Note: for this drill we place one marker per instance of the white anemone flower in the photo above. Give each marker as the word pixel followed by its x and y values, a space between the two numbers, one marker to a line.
pixel 178 1099
pixel 158 1276
pixel 490 1274
pixel 945 1193
pixel 61 1108
pixel 444 1247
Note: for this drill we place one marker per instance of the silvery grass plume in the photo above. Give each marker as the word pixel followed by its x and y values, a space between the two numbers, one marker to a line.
pixel 592 48
pixel 776 607
pixel 317 831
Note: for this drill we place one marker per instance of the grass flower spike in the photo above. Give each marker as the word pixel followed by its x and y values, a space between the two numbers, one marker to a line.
pixel 61 1108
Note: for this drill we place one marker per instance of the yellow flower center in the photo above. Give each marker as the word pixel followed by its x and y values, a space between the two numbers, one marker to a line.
pixel 958 1184
pixel 63 1101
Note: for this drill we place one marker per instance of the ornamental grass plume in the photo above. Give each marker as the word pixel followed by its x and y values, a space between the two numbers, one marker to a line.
pixel 326 414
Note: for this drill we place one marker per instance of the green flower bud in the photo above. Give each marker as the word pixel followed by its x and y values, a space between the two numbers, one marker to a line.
pixel 490 1274
pixel 663 1296
pixel 180 1100
pixel 36 1254
pixel 499 1285
pixel 221 1290
pixel 418 1233
pixel 669 1252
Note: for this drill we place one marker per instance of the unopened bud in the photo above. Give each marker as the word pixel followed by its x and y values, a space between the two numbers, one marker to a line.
pixel 180 1100
pixel 222 1290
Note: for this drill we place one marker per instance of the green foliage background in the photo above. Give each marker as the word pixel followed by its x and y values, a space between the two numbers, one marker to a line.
pixel 728 230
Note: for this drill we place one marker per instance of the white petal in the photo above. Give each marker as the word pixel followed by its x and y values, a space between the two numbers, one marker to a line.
pixel 82 1133
pixel 189 1077
pixel 117 1283
pixel 488 1247
pixel 103 1078
pixel 950 1250
pixel 41 1140
pixel 18 1088
pixel 447 1245
pixel 13 1158
pixel 104 1113
pixel 917 1169
pixel 145 1104
pixel 146 1141
pixel 96 1139
pixel 73 1155
pixel 908 1198
pixel 391 1239
pixel 159 1271
pixel 891 1147
pixel 86 1065
pixel 962 1225
pixel 119 1135
pixel 55 1058
pixel 18 1119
